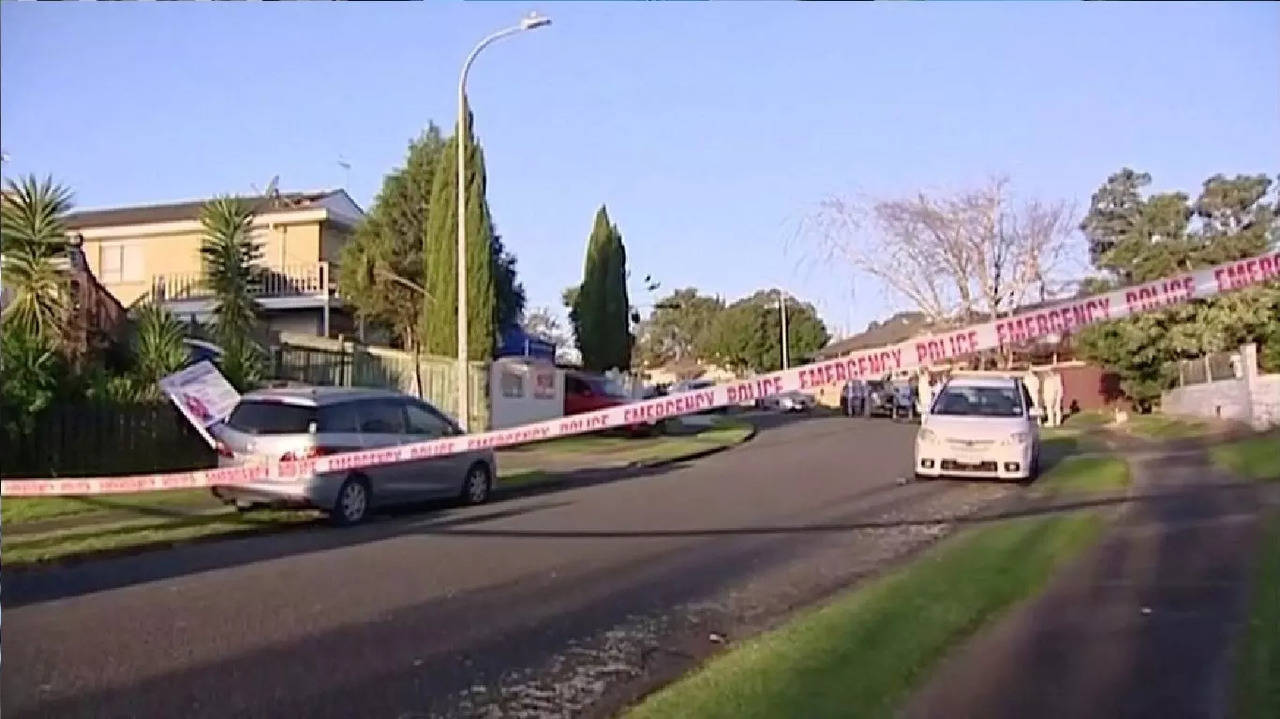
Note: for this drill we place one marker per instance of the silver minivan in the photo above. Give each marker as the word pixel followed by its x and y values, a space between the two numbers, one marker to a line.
pixel 300 423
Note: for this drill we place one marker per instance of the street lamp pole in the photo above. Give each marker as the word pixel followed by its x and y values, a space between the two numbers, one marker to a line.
pixel 782 310
pixel 464 398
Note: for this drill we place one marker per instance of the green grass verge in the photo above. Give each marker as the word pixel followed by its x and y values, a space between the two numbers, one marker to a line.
pixel 1075 475
pixel 1163 426
pixel 673 448
pixel 1255 458
pixel 34 509
pixel 22 550
pixel 523 478
pixel 1257 694
pixel 1092 418
pixel 860 655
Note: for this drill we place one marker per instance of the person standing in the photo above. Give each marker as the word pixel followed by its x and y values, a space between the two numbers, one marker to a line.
pixel 851 392
pixel 1053 398
pixel 924 392
pixel 1032 382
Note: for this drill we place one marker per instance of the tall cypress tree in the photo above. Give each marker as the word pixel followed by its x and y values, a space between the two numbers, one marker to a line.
pixel 601 310
pixel 440 256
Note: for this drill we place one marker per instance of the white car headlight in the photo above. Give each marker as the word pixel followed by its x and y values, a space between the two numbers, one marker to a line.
pixel 928 436
pixel 1017 438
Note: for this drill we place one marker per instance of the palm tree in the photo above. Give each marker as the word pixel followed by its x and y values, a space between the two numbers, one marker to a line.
pixel 229 255
pixel 32 236
pixel 158 349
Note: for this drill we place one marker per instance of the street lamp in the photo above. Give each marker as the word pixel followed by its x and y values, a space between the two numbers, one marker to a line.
pixel 782 310
pixel 531 22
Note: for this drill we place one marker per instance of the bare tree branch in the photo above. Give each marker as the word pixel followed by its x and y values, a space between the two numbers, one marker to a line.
pixel 951 256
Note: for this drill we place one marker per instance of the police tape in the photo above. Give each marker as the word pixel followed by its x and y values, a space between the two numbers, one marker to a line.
pixel 1017 329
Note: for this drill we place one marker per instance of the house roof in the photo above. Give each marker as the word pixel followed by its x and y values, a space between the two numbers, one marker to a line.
pixel 898 328
pixel 179 211
pixel 904 326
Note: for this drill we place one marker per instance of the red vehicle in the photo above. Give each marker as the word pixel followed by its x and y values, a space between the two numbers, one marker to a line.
pixel 587 392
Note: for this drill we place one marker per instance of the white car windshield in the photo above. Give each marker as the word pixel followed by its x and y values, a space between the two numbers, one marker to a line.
pixel 978 402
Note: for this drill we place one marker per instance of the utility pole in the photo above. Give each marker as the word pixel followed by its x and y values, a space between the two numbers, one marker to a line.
pixel 782 310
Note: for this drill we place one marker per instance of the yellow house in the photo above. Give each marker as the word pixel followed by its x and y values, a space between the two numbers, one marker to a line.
pixel 154 251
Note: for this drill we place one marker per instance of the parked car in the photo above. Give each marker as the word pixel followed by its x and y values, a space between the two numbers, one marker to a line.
pixel 299 423
pixel 200 350
pixel 587 392
pixel 793 401
pixel 694 384
pixel 980 427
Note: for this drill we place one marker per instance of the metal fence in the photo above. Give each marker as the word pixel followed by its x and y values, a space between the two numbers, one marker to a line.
pixel 1211 367
pixel 71 440
pixel 345 364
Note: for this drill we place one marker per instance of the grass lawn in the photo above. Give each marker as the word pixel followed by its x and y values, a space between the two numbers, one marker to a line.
pixel 1163 426
pixel 671 448
pixel 1075 475
pixel 1088 419
pixel 860 655
pixel 17 511
pixel 1256 457
pixel 1257 692
pixel 523 478
pixel 49 546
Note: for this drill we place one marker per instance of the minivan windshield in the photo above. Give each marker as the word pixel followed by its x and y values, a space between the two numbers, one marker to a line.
pixel 265 417
pixel 978 402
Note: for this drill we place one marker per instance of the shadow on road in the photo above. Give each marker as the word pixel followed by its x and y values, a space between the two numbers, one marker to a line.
pixel 1024 507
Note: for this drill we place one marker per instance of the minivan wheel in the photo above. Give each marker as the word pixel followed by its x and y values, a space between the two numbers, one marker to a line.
pixel 475 488
pixel 352 504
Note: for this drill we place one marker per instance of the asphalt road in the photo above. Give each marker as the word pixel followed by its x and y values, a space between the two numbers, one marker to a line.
pixel 571 601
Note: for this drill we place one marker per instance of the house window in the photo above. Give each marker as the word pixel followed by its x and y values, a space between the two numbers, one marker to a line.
pixel 120 262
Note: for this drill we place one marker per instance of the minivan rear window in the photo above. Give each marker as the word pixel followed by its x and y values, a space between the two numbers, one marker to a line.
pixel 258 417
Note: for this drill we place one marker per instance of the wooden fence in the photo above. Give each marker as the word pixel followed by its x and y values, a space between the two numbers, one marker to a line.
pixel 318 361
pixel 72 440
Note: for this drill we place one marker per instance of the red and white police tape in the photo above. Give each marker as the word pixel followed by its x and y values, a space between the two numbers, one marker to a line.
pixel 870 364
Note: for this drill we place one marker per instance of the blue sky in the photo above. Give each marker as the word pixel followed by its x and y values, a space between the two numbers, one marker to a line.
pixel 709 129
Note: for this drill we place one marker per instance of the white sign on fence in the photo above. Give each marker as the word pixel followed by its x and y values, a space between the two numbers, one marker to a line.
pixel 203 395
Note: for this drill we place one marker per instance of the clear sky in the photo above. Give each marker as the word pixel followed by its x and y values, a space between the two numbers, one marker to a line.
pixel 709 129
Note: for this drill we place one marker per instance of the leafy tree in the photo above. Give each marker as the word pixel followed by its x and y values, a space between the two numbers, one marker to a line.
pixel 747 335
pixel 1135 239
pixel 230 255
pixel 671 332
pixel 509 300
pixel 490 269
pixel 33 235
pixel 381 271
pixel 540 323
pixel 601 311
pixel 30 373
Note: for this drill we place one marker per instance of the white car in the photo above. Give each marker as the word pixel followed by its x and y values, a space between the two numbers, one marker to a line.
pixel 789 402
pixel 979 427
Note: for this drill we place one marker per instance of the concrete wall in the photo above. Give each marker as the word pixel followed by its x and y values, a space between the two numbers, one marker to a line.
pixel 1254 398
pixel 1225 399
pixel 1266 401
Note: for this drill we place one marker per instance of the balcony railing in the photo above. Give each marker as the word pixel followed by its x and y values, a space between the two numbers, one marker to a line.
pixel 312 279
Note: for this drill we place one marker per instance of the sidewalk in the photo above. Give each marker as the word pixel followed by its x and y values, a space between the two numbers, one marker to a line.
pixel 1140 627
